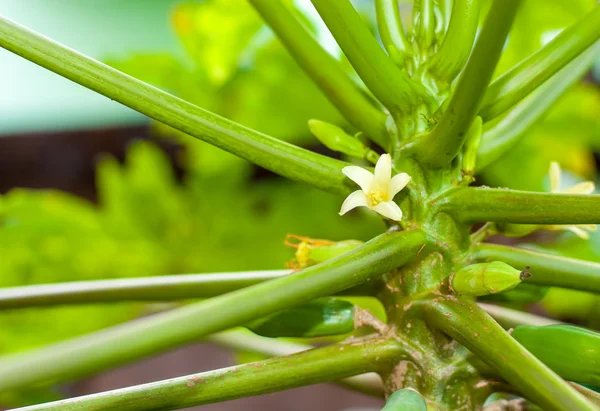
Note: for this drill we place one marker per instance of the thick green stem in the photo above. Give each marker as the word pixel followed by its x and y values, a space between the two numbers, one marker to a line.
pixel 245 340
pixel 324 70
pixel 445 141
pixel 509 318
pixel 456 47
pixel 391 30
pixel 310 367
pixel 546 269
pixel 471 205
pixel 471 326
pixel 516 123
pixel 387 82
pixel 128 342
pixel 161 288
pixel 518 82
pixel 268 152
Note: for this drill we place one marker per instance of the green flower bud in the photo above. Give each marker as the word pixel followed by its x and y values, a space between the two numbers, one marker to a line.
pixel 487 278
pixel 319 318
pixel 336 139
pixel 572 352
pixel 311 251
pixel 405 400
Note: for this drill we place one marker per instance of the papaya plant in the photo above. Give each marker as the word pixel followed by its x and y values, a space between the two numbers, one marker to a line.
pixel 426 111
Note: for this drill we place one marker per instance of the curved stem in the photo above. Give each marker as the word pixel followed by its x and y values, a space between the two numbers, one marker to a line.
pixel 273 154
pixel 471 326
pixel 426 27
pixel 546 269
pixel 518 82
pixel 444 142
pixel 245 340
pixel 509 318
pixel 309 367
pixel 160 288
pixel 510 128
pixel 387 82
pixel 456 47
pixel 391 30
pixel 472 205
pixel 128 342
pixel 324 70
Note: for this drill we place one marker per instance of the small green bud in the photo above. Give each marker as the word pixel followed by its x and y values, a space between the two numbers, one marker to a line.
pixel 336 139
pixel 487 278
pixel 405 400
pixel 311 251
pixel 319 318
pixel 572 352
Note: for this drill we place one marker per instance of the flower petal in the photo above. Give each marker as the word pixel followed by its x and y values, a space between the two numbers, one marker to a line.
pixel 360 176
pixel 383 171
pixel 585 187
pixel 554 177
pixel 581 233
pixel 356 199
pixel 398 182
pixel 390 210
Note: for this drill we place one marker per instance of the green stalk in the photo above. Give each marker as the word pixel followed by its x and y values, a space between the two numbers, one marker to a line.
pixel 456 47
pixel 509 318
pixel 391 30
pixel 324 70
pixel 445 141
pixel 387 82
pixel 127 342
pixel 471 326
pixel 247 341
pixel 591 395
pixel 426 27
pixel 310 367
pixel 160 288
pixel 518 82
pixel 546 269
pixel 516 123
pixel 273 154
pixel 497 205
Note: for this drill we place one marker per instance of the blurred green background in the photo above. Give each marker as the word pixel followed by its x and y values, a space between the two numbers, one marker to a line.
pixel 156 202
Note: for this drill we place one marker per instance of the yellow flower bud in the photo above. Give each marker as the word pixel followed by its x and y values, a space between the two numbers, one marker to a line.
pixel 311 251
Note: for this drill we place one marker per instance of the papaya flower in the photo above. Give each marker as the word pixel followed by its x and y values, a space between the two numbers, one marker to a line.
pixel 377 190
pixel 585 187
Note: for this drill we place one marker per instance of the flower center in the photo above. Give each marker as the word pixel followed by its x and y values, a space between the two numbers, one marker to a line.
pixel 377 196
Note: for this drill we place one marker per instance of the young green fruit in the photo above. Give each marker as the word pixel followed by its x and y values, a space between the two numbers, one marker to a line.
pixel 486 278
pixel 572 352
pixel 319 318
pixel 336 139
pixel 405 400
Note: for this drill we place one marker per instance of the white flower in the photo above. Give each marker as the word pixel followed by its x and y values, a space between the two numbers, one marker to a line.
pixel 586 187
pixel 377 190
